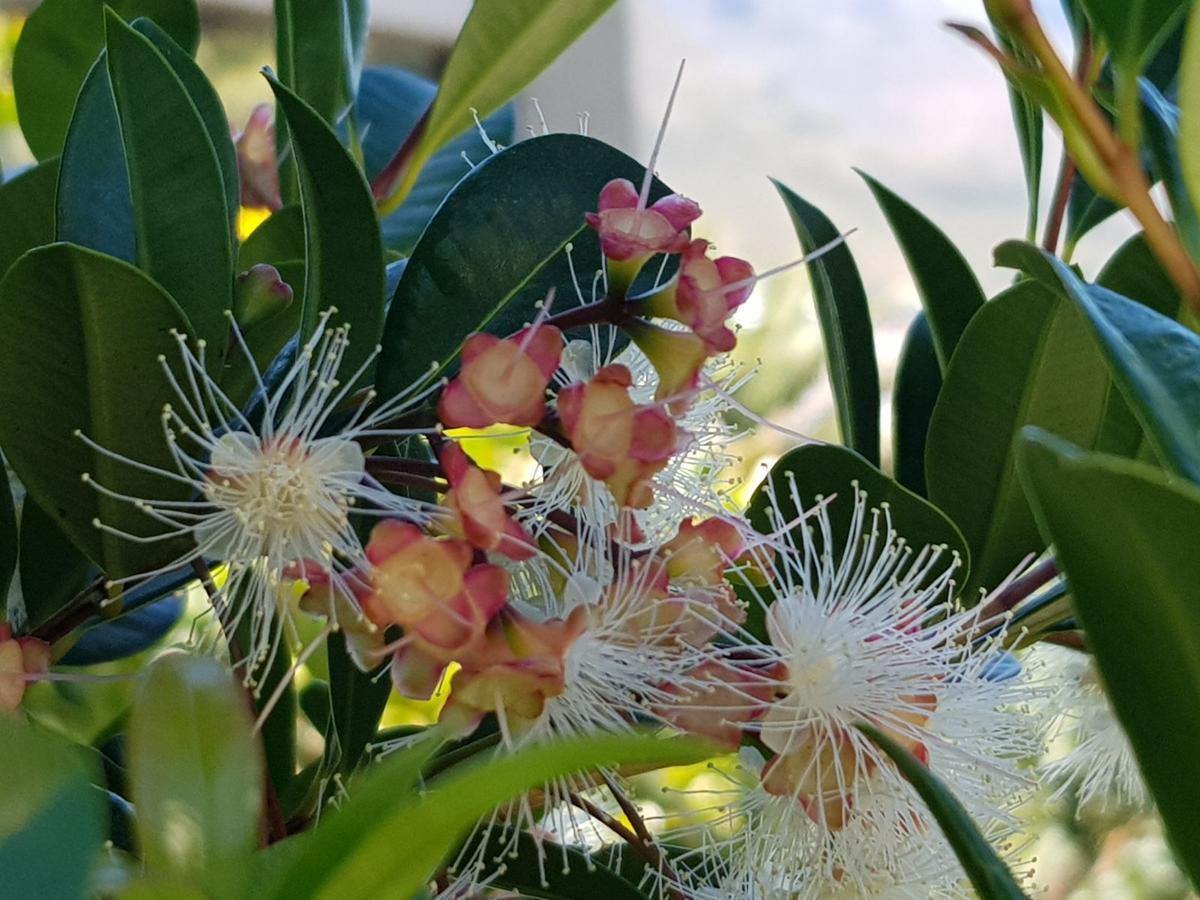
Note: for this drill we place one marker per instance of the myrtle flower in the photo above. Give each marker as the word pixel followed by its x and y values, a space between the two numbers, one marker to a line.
pixel 1099 766
pixel 272 487
pixel 871 633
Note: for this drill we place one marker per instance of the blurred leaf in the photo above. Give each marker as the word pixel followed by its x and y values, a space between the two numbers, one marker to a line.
pixel 1189 110
pixel 1124 534
pixel 8 536
pixel 390 104
pixel 845 326
pixel 52 569
pixel 1133 29
pixel 950 292
pixel 208 105
pixel 1154 361
pixel 503 45
pixel 1161 126
pixel 58 44
pixel 93 205
pixel 125 635
pixel 467 274
pixel 343 263
pixel 1028 124
pixel 28 203
pixel 180 215
pixel 1025 359
pixel 80 337
pixel 196 773
pixel 1085 210
pixel 989 876
pixel 918 382
pixel 825 470
pixel 52 818
pixel 369 865
pixel 357 700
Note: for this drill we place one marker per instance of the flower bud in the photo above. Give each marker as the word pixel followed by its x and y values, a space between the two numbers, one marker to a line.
pixel 259 294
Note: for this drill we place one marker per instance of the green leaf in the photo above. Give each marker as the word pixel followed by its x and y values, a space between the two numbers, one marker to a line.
pixel 196 773
pixel 1025 359
pixel 208 105
pixel 52 818
pixel 949 291
pixel 180 216
pixel 825 470
pixel 1085 210
pixel 845 325
pixel 59 43
pixel 371 867
pixel 343 263
pixel 918 382
pixel 989 876
pixel 80 337
pixel 390 105
pixel 1189 110
pixel 28 204
pixel 279 730
pixel 319 52
pixel 8 536
pixel 555 872
pixel 503 45
pixel 1133 29
pixel 1161 120
pixel 278 240
pixel 1028 124
pixel 53 570
pixel 93 205
pixel 356 700
pixel 1124 535
pixel 1154 361
pixel 466 273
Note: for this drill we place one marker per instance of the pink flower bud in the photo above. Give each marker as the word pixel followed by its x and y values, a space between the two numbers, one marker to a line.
pixel 257 170
pixel 721 703
pixel 700 296
pixel 628 232
pixel 478 510
pixel 502 381
pixel 259 294
pixel 19 657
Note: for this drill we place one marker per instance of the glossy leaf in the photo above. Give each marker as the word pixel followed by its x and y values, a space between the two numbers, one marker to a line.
pixel 195 771
pixel 208 105
pixel 455 801
pixel 949 291
pixel 319 51
pixel 390 104
pixel 126 635
pixel 1123 533
pixel 58 44
pixel 988 874
pixel 52 569
pixel 845 325
pixel 93 204
pixel 503 45
pixel 1025 359
pixel 356 700
pixel 343 264
pixel 1154 361
pixel 180 214
pixel 1161 126
pixel 80 337
pixel 918 382
pixel 52 818
pixel 28 203
pixel 564 873
pixel 466 274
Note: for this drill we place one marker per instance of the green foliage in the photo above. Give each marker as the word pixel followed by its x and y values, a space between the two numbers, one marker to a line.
pixel 845 326
pixel 1123 532
pixel 8 537
pixel 914 395
pixel 52 569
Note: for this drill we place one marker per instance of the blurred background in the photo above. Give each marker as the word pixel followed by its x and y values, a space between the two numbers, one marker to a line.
pixel 801 91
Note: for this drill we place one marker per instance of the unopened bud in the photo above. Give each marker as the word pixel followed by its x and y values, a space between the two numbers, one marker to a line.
pixel 261 293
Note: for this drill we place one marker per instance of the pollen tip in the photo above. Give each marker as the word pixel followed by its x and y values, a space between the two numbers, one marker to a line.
pixel 96 522
pixel 85 477
pixel 162 358
pixel 78 432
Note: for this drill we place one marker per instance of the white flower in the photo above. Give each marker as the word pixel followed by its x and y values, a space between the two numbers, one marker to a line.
pixel 871 634
pixel 272 486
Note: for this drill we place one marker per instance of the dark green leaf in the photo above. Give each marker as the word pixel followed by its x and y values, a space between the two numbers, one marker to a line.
pixel 28 204
pixel 1133 31
pixel 57 47
pixel 208 105
pixel 555 872
pixel 93 204
pixel 1028 124
pixel 949 291
pixel 918 382
pixel 503 45
pixel 8 536
pixel 343 263
pixel 125 635
pixel 1124 534
pixel 52 818
pixel 196 773
pixel 1154 361
pixel 180 214
pixel 279 730
pixel 845 325
pixel 989 876
pixel 357 700
pixel 824 470
pixel 467 274
pixel 319 52
pixel 1025 359
pixel 1161 118
pixel 80 337
pixel 390 103
pixel 53 570
pixel 1085 210
pixel 278 240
